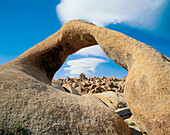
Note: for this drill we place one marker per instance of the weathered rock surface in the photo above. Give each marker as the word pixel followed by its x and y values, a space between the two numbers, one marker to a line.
pixel 147 85
pixel 25 85
pixel 110 99
pixel 94 99
pixel 27 96
pixel 70 89
pixel 117 99
pixel 58 86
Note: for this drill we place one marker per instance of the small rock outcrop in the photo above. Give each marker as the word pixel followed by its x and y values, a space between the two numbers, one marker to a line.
pixel 81 76
pixel 114 98
pixel 70 89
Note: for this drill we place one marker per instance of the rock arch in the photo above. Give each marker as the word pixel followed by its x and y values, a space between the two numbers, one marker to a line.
pixel 27 79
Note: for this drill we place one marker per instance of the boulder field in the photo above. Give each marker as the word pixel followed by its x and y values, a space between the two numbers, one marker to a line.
pixel 109 90
pixel 27 96
pixel 86 85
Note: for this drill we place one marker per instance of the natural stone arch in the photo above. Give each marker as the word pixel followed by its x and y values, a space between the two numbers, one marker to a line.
pixel 146 97
pixel 27 96
pixel 49 55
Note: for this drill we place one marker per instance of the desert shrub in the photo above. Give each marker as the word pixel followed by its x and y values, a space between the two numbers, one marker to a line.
pixel 130 124
pixel 13 130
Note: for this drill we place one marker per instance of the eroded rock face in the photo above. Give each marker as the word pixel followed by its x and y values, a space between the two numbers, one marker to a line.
pixel 25 85
pixel 70 89
pixel 58 86
pixel 147 83
pixel 27 96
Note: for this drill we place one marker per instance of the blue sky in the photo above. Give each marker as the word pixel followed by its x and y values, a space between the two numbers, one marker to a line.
pixel 24 23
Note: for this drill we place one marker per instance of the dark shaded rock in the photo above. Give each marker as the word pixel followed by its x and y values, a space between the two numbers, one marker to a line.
pixel 124 113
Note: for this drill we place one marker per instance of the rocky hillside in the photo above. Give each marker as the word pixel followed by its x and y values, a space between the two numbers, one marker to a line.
pixel 86 85
pixel 107 90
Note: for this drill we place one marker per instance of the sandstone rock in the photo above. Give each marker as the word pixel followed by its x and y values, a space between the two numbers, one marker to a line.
pixel 121 98
pixel 110 84
pixel 146 92
pixel 92 86
pixel 87 84
pixel 98 81
pixel 147 83
pixel 103 83
pixel 74 84
pixel 58 86
pixel 98 89
pixel 112 89
pixel 27 96
pixel 112 78
pixel 68 78
pixel 70 89
pixel 104 87
pixel 82 76
pixel 114 98
pixel 60 81
pixel 124 78
pixel 79 89
pixel 98 84
pixel 94 99
pixel 103 77
pixel 107 101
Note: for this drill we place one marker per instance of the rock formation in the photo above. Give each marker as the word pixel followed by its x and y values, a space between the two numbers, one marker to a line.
pixel 147 85
pixel 70 89
pixel 94 84
pixel 28 98
pixel 57 86
pixel 25 85
pixel 106 89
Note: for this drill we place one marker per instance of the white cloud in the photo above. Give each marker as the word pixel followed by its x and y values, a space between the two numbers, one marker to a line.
pixel 91 51
pixel 85 65
pixel 137 13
